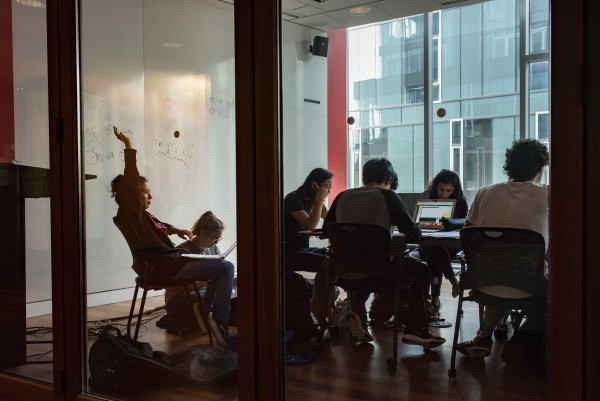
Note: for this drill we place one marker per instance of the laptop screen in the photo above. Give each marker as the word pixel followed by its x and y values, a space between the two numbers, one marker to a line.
pixel 428 212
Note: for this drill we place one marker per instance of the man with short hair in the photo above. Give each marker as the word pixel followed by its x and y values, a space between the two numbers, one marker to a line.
pixel 376 203
pixel 520 202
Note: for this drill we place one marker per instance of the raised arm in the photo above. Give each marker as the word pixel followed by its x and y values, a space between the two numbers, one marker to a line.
pixel 122 137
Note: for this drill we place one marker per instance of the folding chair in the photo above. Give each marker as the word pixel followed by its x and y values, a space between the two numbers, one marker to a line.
pixel 358 253
pixel 510 257
pixel 146 282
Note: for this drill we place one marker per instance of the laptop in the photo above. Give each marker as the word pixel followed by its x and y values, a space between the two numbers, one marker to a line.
pixel 428 213
pixel 220 256
pixel 409 199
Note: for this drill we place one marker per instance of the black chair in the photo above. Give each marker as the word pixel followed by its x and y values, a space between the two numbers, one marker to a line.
pixel 146 282
pixel 499 256
pixel 358 252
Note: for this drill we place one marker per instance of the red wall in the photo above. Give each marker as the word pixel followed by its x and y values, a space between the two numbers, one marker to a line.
pixel 7 116
pixel 337 148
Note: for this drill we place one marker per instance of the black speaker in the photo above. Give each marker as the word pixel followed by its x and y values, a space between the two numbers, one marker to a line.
pixel 319 46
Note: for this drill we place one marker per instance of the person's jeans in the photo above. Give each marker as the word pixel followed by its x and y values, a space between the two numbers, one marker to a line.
pixel 219 275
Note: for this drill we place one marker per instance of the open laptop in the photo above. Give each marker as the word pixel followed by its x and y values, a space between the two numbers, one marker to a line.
pixel 428 212
pixel 211 257
pixel 409 199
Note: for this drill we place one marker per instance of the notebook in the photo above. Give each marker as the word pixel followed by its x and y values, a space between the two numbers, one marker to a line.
pixel 428 212
pixel 211 257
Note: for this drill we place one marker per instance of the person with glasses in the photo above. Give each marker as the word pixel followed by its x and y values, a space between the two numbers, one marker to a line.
pixel 133 198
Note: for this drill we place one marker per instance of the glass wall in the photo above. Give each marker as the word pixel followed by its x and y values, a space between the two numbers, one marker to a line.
pixel 25 275
pixel 478 100
pixel 162 72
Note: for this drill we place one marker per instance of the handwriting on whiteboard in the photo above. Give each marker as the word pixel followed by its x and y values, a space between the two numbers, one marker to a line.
pixel 174 152
pixel 216 106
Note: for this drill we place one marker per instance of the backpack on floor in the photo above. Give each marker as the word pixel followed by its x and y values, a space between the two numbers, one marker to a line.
pixel 298 318
pixel 180 319
pixel 117 363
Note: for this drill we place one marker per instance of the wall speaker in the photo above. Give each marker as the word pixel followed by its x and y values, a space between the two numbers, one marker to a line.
pixel 319 46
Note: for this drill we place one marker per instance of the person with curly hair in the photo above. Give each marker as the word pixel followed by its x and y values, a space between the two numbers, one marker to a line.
pixel 520 202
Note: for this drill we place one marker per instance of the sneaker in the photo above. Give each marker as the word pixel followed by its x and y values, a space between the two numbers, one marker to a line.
pixel 357 330
pixel 421 337
pixel 220 332
pixel 479 347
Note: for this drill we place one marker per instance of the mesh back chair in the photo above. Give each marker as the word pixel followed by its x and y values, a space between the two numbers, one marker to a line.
pixel 499 256
pixel 146 282
pixel 358 253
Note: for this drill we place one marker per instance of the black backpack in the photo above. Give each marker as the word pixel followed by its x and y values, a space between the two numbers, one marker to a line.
pixel 117 363
pixel 298 318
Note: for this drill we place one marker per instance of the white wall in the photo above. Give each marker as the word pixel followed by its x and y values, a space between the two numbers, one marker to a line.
pixel 304 76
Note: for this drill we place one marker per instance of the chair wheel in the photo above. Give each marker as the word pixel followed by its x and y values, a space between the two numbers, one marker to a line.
pixel 392 362
pixel 452 375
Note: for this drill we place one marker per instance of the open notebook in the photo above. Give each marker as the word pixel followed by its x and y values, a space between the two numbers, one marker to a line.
pixel 211 257
pixel 428 212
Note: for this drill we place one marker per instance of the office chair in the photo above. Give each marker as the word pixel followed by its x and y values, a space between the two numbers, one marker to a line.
pixel 146 282
pixel 357 252
pixel 511 257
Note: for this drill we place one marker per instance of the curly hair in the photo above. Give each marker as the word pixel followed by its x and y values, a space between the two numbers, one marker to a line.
pixel 525 158
pixel 446 177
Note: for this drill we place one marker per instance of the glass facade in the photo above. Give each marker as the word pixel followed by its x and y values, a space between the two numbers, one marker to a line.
pixel 478 104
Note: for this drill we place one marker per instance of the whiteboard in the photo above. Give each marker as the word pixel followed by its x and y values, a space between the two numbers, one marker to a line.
pixel 163 72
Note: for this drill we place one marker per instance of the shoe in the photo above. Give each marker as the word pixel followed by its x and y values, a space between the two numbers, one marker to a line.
pixel 479 347
pixel 220 332
pixel 433 311
pixel 357 330
pixel 421 337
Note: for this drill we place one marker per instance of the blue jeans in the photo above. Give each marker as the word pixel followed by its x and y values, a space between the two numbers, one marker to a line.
pixel 219 275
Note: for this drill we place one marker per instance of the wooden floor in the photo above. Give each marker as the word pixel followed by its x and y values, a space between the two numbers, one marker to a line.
pixel 342 372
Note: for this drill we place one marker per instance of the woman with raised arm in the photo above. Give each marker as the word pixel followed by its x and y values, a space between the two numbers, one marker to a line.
pixel 133 197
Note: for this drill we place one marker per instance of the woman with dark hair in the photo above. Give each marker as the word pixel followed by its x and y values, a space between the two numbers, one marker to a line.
pixel 445 185
pixel 303 210
pixel 133 197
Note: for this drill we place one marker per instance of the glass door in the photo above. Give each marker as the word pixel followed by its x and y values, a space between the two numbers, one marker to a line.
pixel 161 74
pixel 26 327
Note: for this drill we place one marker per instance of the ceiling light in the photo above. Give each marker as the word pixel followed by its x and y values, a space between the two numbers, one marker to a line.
pixel 172 45
pixel 358 11
pixel 32 3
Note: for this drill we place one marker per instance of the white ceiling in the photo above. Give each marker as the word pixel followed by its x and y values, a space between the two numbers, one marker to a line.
pixel 330 15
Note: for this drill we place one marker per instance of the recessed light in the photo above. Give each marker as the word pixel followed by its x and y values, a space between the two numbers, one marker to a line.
pixel 32 3
pixel 358 11
pixel 172 45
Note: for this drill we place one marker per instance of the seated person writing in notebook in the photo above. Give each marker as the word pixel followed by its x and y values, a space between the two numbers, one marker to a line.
pixel 377 203
pixel 133 197
pixel 520 202
pixel 445 185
